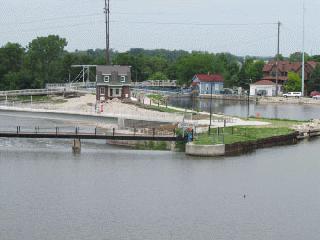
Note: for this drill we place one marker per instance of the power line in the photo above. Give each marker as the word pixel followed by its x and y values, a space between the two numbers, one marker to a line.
pixel 199 24
pixel 50 28
pixel 52 19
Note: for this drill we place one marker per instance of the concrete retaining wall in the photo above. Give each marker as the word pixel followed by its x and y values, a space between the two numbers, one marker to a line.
pixel 205 150
pixel 146 145
pixel 239 148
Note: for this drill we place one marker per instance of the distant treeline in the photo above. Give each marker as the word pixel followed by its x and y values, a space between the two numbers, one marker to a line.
pixel 45 60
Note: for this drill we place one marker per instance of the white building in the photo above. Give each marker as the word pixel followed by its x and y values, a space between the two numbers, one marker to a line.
pixel 264 88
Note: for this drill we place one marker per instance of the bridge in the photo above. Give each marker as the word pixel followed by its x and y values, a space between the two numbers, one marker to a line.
pixel 36 92
pixel 77 135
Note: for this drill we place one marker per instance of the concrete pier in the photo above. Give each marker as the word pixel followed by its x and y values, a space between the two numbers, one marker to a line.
pixel 76 146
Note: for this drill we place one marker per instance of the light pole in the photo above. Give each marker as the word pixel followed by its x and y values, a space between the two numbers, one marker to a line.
pixel 211 98
pixel 248 100
pixel 303 49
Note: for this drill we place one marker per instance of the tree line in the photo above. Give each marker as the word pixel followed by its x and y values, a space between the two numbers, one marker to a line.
pixel 46 60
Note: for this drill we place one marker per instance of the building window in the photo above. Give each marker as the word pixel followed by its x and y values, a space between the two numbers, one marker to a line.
pixel 117 92
pixel 123 78
pixel 102 91
pixel 106 78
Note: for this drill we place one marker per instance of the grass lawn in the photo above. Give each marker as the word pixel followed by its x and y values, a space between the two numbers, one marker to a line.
pixel 156 97
pixel 161 109
pixel 231 135
pixel 37 99
pixel 278 122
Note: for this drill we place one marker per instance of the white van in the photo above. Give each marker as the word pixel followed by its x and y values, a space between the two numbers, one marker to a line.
pixel 292 94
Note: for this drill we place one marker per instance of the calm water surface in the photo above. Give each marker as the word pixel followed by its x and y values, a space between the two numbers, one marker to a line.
pixel 113 193
pixel 235 108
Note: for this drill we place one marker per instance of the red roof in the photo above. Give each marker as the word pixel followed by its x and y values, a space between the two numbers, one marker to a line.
pixel 209 78
pixel 280 78
pixel 264 82
pixel 286 66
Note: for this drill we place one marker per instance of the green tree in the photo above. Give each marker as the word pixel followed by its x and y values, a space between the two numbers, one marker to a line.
pixel 294 83
pixel 44 56
pixel 189 65
pixel 251 71
pixel 297 57
pixel 158 76
pixel 281 57
pixel 11 60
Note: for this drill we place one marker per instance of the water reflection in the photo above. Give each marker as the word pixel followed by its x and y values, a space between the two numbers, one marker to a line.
pixel 240 108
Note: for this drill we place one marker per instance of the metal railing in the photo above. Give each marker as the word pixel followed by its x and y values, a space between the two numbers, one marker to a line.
pixel 28 92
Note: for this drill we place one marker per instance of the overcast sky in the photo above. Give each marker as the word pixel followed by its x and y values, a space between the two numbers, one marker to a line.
pixel 158 24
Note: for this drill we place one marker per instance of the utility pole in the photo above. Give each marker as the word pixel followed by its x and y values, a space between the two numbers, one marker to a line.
pixel 107 13
pixel 278 59
pixel 211 99
pixel 303 54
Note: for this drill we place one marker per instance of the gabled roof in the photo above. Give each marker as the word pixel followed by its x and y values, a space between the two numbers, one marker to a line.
pixel 271 78
pixel 264 82
pixel 209 77
pixel 286 66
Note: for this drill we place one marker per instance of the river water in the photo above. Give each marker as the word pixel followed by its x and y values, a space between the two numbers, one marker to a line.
pixel 240 108
pixel 46 192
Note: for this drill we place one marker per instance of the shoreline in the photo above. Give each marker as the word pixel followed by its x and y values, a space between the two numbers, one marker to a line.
pixel 261 100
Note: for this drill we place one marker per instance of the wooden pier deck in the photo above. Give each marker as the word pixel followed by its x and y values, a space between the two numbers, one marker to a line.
pixel 36 134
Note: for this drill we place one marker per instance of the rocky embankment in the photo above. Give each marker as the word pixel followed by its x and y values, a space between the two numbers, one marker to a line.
pixel 290 100
pixel 308 129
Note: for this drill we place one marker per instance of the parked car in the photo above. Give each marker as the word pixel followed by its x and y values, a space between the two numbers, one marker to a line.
pixel 292 94
pixel 314 93
pixel 317 97
pixel 262 93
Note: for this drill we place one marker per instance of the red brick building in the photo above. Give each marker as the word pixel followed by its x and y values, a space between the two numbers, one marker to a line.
pixel 284 67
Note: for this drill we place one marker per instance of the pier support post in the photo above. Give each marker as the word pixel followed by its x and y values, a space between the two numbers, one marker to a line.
pixel 76 146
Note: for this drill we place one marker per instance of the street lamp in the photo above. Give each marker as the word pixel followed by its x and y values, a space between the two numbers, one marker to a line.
pixel 211 98
pixel 248 100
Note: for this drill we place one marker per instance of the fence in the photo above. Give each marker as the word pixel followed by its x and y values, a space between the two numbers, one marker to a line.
pixel 30 92
pixel 231 135
pixel 77 85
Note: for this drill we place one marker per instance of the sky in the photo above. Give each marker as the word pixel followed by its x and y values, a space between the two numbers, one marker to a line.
pixel 241 27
